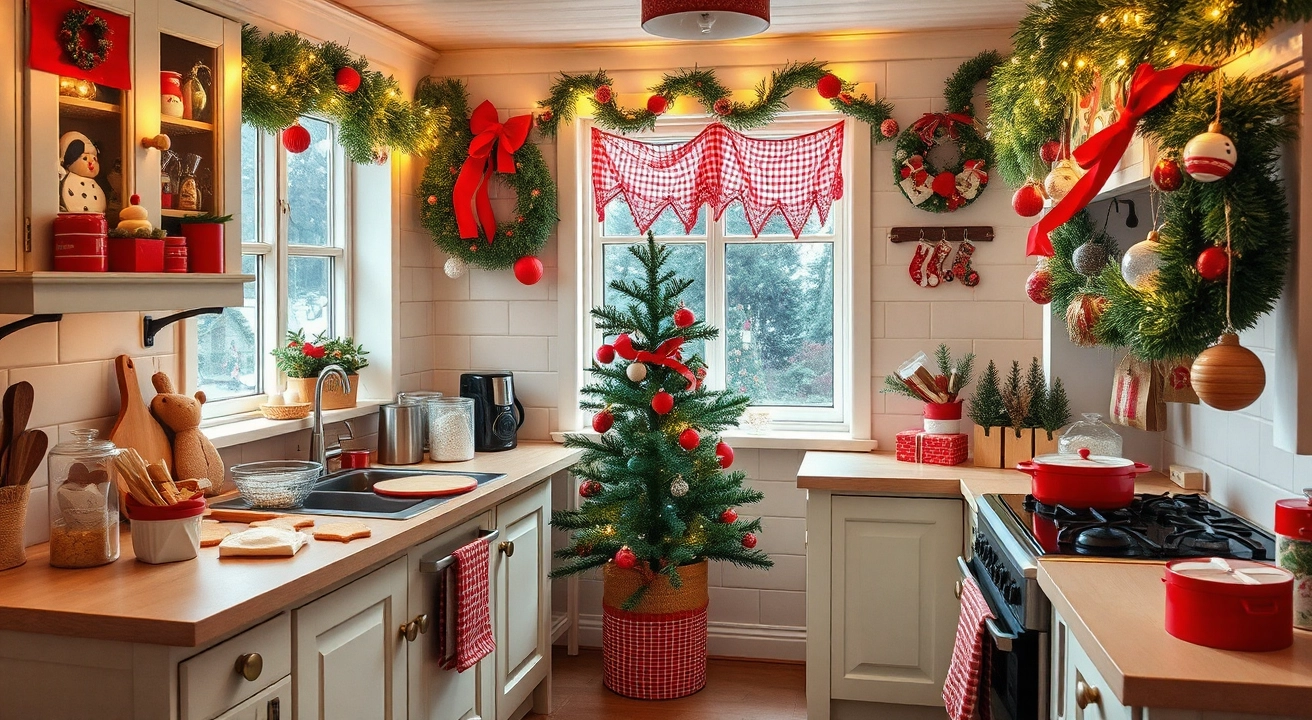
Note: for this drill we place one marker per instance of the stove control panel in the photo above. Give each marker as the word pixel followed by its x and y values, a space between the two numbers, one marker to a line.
pixel 998 579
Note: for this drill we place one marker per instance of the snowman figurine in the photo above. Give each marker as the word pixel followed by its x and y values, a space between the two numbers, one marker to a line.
pixel 79 165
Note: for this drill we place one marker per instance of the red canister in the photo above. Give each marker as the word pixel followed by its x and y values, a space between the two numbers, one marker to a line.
pixel 175 255
pixel 1230 604
pixel 204 247
pixel 80 242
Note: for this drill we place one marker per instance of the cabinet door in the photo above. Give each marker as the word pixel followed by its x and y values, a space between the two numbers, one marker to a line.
pixel 273 703
pixel 521 560
pixel 1083 694
pixel 349 657
pixel 436 693
pixel 894 615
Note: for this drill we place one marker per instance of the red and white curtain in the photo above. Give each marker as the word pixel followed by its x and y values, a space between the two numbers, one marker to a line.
pixel 792 176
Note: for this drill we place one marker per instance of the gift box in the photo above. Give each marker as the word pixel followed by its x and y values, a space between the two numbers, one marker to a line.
pixel 136 255
pixel 922 447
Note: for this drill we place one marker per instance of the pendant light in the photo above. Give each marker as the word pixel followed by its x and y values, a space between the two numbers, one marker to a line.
pixel 705 19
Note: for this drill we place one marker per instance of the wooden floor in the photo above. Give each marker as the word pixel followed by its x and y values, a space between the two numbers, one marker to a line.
pixel 735 690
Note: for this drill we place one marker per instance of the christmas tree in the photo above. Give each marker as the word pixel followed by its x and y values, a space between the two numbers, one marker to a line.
pixel 1056 410
pixel 656 494
pixel 986 407
pixel 1037 387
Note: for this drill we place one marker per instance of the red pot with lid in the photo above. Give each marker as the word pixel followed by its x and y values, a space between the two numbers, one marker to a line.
pixel 1083 480
pixel 1230 604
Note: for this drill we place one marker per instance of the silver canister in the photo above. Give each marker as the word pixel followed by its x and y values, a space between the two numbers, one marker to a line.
pixel 401 431
pixel 420 398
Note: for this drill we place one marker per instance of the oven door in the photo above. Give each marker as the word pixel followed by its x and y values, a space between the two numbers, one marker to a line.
pixel 1019 660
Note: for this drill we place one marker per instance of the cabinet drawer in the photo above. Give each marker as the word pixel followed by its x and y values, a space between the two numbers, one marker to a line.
pixel 211 682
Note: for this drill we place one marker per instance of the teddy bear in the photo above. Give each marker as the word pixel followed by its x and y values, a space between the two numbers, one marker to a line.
pixel 194 455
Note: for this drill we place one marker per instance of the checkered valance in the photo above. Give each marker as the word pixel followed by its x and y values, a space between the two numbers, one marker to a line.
pixel 792 176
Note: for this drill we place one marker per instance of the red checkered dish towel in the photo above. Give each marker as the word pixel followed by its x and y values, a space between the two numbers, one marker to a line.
pixel 473 616
pixel 967 688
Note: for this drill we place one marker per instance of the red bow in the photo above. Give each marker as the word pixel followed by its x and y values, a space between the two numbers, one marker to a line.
pixel 471 187
pixel 1100 153
pixel 929 123
pixel 665 355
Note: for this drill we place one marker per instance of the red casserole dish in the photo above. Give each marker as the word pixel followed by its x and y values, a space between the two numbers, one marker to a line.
pixel 1230 604
pixel 1101 482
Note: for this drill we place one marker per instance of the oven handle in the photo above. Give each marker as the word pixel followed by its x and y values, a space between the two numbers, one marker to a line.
pixel 1001 638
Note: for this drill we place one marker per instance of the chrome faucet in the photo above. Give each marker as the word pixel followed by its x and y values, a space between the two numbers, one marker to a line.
pixel 318 452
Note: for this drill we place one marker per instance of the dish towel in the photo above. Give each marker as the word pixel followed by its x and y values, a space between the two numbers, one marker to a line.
pixel 967 687
pixel 446 617
pixel 473 616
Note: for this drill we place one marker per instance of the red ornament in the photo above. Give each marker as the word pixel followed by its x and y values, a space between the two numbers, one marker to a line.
pixel 829 86
pixel 722 106
pixel 625 559
pixel 528 270
pixel 296 139
pixel 657 104
pixel 662 402
pixel 590 488
pixel 1039 285
pixel 602 421
pixel 725 454
pixel 729 516
pixel 1167 175
pixel 347 79
pixel 689 439
pixel 606 354
pixel 432 199
pixel 1028 200
pixel 602 94
pixel 945 184
pixel 749 540
pixel 624 347
pixel 683 317
pixel 889 128
pixel 1212 263
pixel 1050 151
pixel 545 118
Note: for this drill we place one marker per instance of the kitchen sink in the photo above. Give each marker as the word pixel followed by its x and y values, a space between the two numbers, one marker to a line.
pixel 349 493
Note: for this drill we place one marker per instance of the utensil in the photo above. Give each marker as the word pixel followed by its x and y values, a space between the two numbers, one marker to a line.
pixel 135 427
pixel 276 483
pixel 26 455
pixel 401 434
pixel 1083 480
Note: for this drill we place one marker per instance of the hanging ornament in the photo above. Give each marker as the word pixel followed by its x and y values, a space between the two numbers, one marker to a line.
pixel 1167 175
pixel 602 421
pixel 1063 177
pixel 637 372
pixel 1090 258
pixel 725 454
pixel 1038 286
pixel 296 138
pixel 528 270
pixel 624 347
pixel 889 128
pixel 683 317
pixel 590 488
pixel 1141 264
pixel 1049 151
pixel 1028 200
pixel 657 104
pixel 454 267
pixel 1082 316
pixel 729 517
pixel 625 559
pixel 602 94
pixel 1212 263
pixel 606 354
pixel 662 402
pixel 689 439
pixel 1210 156
pixel 722 107
pixel 380 154
pixel 1228 376
pixel 829 86
pixel 749 540
pixel 347 79
pixel 679 487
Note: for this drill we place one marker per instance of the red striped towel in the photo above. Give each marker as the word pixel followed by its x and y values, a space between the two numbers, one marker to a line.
pixel 967 687
pixel 473 616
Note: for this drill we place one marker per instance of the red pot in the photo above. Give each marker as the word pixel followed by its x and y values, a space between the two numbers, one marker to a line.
pixel 943 418
pixel 204 247
pixel 1083 481
pixel 1230 604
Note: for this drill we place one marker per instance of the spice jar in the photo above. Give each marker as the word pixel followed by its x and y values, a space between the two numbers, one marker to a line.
pixel 1090 433
pixel 83 502
pixel 450 429
pixel 1294 551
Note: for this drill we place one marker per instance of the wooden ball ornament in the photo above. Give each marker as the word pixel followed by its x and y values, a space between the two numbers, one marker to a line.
pixel 637 372
pixel 1228 376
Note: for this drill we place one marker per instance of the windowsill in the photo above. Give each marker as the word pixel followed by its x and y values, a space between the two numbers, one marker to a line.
pixel 227 431
pixel 777 440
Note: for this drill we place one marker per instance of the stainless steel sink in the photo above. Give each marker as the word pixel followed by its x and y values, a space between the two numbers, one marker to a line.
pixel 350 493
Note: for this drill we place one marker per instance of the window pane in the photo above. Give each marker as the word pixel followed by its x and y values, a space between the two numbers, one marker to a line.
pixel 735 224
pixel 250 184
pixel 779 322
pixel 228 349
pixel 687 260
pixel 309 221
pixel 619 222
pixel 309 294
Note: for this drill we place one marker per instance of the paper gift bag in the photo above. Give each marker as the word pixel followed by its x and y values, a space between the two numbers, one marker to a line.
pixel 1137 398
pixel 1176 384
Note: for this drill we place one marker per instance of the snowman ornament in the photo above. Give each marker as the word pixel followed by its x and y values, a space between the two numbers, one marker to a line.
pixel 79 166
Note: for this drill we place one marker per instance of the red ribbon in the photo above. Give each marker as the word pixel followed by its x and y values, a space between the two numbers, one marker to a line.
pixel 470 192
pixel 929 123
pixel 1100 153
pixel 665 355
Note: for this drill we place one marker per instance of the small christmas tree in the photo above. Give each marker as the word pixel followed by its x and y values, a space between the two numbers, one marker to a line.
pixel 656 494
pixel 1016 399
pixel 986 407
pixel 1056 410
pixel 1037 387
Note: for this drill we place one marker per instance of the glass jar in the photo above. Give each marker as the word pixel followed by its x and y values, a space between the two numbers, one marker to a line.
pixel 450 429
pixel 189 197
pixel 1090 433
pixel 83 502
pixel 420 398
pixel 1294 551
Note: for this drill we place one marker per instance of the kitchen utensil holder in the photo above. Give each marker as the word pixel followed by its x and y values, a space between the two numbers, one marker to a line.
pixel 13 515
pixel 400 434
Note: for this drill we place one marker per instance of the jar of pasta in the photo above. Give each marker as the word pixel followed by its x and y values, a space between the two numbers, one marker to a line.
pixel 83 502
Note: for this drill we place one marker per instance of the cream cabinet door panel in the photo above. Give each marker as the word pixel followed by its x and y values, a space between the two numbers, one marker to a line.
pixel 521 560
pixel 273 703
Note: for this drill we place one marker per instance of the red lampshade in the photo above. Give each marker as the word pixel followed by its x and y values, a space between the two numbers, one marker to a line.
pixel 705 19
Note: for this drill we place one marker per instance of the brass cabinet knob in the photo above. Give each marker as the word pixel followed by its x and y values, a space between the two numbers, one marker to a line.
pixel 250 666
pixel 507 548
pixel 422 623
pixel 1086 694
pixel 410 631
pixel 956 590
pixel 160 142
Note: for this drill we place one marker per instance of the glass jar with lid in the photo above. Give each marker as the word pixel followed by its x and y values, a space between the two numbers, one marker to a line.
pixel 1090 433
pixel 83 502
pixel 420 398
pixel 450 429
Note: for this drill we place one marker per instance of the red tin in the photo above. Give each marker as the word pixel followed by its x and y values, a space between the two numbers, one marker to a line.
pixel 80 242
pixel 175 255
pixel 143 255
pixel 204 247
pixel 1230 604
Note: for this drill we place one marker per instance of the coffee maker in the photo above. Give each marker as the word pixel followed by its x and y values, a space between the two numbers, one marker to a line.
pixel 495 405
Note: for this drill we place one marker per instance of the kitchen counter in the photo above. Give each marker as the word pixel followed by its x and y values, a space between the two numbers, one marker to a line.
pixel 195 602
pixel 1117 612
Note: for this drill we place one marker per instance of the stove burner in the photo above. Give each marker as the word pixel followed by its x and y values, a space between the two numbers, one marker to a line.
pixel 1103 538
pixel 1204 541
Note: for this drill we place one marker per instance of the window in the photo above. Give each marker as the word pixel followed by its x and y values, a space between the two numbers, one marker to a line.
pixel 293 220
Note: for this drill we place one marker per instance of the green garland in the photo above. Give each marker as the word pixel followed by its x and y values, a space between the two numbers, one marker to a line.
pixel 285 76
pixel 534 188
pixel 702 85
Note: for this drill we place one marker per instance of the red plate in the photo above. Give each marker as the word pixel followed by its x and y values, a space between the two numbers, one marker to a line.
pixel 425 486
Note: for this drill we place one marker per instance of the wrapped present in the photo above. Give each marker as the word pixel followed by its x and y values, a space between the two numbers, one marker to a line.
pixel 922 447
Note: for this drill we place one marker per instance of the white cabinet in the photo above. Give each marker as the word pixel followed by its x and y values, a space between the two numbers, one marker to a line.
pixel 1078 691
pixel 522 609
pixel 274 703
pixel 349 656
pixel 229 673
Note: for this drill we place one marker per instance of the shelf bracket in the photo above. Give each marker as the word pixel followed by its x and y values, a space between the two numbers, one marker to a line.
pixel 15 326
pixel 150 325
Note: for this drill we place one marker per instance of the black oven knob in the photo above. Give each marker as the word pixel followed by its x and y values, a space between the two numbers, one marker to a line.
pixel 1013 595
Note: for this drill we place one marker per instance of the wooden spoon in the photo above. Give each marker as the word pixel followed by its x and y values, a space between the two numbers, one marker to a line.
pixel 25 456
pixel 17 411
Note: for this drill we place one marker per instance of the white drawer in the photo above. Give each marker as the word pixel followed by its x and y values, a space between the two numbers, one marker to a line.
pixel 210 683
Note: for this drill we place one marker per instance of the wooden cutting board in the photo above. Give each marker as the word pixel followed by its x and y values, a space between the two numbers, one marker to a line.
pixel 135 427
pixel 423 486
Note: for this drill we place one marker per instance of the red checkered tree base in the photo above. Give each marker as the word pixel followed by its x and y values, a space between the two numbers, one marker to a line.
pixel 654 656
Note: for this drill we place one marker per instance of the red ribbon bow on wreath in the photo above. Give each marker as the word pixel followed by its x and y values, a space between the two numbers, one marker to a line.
pixel 1100 153
pixel 929 123
pixel 471 189
pixel 666 355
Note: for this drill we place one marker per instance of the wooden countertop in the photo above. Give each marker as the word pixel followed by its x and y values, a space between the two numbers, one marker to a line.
pixel 195 602
pixel 1117 612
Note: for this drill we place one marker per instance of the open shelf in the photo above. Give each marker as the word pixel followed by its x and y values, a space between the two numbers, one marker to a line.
pixel 77 107
pixel 169 212
pixel 29 293
pixel 181 126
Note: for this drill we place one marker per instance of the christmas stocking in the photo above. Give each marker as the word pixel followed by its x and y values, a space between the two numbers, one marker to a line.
pixel 961 268
pixel 917 269
pixel 934 269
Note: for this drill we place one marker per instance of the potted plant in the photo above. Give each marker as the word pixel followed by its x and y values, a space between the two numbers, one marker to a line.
pixel 204 235
pixel 1015 418
pixel 939 392
pixel 302 360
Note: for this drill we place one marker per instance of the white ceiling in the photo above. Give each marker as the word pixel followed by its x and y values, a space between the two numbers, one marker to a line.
pixel 457 24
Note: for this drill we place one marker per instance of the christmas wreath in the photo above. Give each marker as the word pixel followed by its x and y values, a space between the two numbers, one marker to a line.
pixel 944 189
pixel 70 34
pixel 501 245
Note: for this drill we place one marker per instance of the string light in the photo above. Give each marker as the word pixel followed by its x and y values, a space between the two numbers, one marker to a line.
pixel 1079 64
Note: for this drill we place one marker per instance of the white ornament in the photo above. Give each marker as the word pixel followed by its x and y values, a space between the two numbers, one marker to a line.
pixel 1141 263
pixel 454 267
pixel 679 487
pixel 1063 177
pixel 1210 156
pixel 637 372
pixel 79 164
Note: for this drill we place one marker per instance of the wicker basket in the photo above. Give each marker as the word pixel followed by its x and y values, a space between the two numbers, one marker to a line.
pixel 295 411
pixel 657 651
pixel 13 513
pixel 333 397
